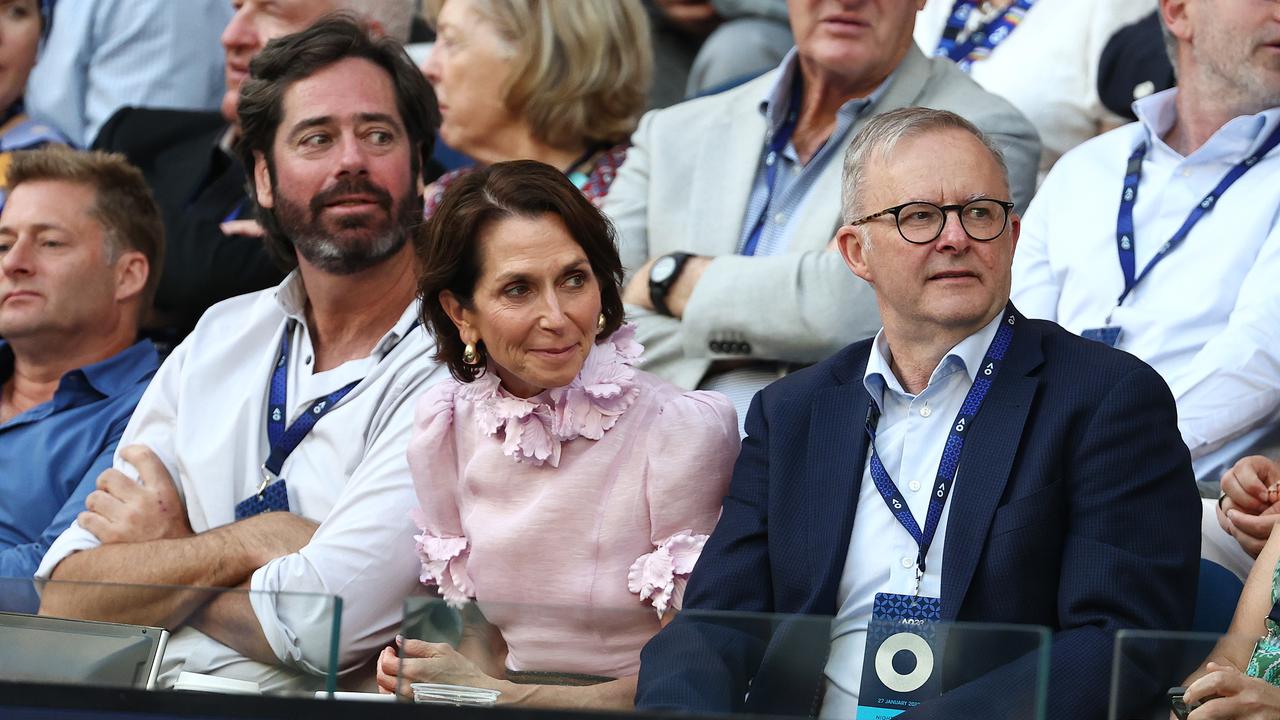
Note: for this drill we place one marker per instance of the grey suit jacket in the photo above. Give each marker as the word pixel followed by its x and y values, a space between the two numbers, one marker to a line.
pixel 685 186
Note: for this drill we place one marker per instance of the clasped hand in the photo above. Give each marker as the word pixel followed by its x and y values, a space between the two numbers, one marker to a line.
pixel 122 510
pixel 428 662
pixel 1249 508
pixel 1225 692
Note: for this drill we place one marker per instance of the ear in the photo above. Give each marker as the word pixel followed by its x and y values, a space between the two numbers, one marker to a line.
pixel 376 29
pixel 132 271
pixel 851 241
pixel 262 181
pixel 1015 229
pixel 1175 14
pixel 460 315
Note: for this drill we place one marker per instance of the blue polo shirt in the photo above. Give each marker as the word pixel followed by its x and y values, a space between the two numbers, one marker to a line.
pixel 52 454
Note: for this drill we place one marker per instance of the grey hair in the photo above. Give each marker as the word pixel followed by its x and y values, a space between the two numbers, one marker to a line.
pixel 395 16
pixel 881 135
pixel 1170 42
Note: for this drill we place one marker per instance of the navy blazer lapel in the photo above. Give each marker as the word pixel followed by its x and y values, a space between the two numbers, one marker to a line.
pixel 987 458
pixel 836 454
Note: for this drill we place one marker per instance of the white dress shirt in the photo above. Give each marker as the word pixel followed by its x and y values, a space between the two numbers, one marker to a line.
pixel 204 415
pixel 882 555
pixel 1207 318
pixel 1048 66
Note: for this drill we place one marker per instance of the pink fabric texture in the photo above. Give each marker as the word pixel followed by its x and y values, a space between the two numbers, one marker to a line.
pixel 653 576
pixel 533 429
pixel 572 516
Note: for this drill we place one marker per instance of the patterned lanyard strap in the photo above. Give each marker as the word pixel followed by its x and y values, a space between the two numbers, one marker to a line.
pixel 983 41
pixel 773 159
pixel 1125 235
pixel 284 440
pixel 950 462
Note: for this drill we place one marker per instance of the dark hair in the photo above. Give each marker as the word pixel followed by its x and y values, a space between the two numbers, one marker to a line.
pixel 295 57
pixel 449 249
pixel 122 204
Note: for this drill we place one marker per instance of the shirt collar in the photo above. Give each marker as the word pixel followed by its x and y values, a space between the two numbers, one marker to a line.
pixel 112 376
pixel 1234 141
pixel 291 296
pixel 966 356
pixel 776 102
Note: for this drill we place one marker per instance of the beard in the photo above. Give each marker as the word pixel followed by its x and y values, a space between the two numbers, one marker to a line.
pixel 1241 81
pixel 352 242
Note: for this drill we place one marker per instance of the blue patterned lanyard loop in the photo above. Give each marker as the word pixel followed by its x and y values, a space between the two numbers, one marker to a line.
pixel 284 440
pixel 772 160
pixel 950 462
pixel 981 42
pixel 1125 235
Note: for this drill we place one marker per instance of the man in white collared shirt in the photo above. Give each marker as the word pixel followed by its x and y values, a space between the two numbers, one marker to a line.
pixel 1207 314
pixel 963 464
pixel 336 127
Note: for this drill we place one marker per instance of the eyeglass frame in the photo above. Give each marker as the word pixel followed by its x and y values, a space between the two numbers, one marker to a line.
pixel 944 209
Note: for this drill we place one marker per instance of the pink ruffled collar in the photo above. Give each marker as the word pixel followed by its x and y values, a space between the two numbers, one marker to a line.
pixel 532 429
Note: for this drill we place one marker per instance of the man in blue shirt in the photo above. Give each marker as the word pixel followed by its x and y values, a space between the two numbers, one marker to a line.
pixel 79 237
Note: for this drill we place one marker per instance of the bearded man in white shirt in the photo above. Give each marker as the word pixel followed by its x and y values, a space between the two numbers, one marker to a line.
pixel 1161 237
pixel 243 478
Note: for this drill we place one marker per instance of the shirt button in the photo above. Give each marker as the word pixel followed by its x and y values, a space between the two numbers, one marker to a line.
pixel 908 562
pixel 914 485
pixel 1186 173
pixel 925 411
pixel 779 218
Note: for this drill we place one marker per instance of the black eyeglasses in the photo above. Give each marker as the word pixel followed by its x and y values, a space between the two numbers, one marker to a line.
pixel 920 223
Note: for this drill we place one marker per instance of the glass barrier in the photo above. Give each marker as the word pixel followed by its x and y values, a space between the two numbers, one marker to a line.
pixel 1149 665
pixel 168 638
pixel 537 656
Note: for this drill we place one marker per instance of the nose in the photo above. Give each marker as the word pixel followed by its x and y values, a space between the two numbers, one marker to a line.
pixel 954 238
pixel 552 317
pixel 351 156
pixel 239 37
pixel 431 66
pixel 18 259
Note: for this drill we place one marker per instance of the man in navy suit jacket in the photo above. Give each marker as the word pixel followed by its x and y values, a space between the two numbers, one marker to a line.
pixel 1074 505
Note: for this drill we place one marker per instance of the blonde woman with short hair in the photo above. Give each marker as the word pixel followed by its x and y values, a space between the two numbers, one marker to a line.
pixel 559 81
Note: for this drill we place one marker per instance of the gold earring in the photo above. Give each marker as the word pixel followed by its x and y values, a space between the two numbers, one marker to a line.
pixel 469 355
pixel 600 323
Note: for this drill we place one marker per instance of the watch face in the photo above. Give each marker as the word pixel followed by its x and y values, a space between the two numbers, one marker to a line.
pixel 662 269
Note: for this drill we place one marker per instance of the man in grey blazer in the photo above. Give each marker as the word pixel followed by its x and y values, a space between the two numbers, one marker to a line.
pixel 726 204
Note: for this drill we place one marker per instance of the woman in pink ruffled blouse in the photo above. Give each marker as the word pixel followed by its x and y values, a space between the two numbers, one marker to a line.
pixel 563 489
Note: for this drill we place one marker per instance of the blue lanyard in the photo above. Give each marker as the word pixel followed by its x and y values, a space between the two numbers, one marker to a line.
pixel 285 440
pixel 1125 236
pixel 950 462
pixel 235 212
pixel 980 43
pixel 772 160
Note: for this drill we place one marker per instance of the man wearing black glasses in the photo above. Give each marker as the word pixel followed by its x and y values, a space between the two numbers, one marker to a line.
pixel 967 464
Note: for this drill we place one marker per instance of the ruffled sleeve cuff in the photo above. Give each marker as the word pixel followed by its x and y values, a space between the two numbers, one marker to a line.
pixel 660 576
pixel 444 565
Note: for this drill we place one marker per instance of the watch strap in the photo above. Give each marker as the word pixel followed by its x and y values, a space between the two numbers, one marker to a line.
pixel 658 290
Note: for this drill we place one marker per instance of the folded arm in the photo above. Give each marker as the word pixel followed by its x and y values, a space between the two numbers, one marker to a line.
pixel 1232 385
pixel 223 557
